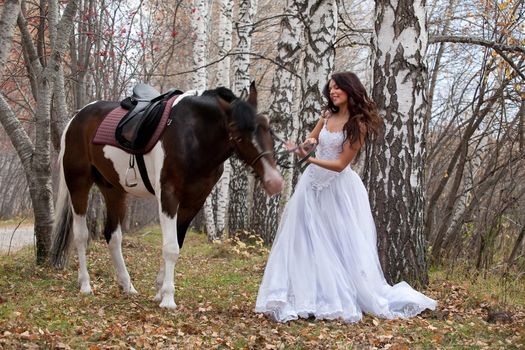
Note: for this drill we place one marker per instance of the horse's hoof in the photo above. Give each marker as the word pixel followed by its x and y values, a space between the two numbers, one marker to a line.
pixel 86 290
pixel 131 291
pixel 168 304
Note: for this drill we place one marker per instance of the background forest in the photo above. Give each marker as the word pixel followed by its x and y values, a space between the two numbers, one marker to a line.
pixel 447 75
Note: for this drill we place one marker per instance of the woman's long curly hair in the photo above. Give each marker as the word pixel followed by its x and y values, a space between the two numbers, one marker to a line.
pixel 362 110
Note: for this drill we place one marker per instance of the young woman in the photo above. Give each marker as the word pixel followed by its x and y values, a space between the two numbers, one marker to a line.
pixel 324 260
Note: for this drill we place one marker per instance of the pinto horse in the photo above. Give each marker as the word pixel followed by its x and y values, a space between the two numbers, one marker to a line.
pixel 206 129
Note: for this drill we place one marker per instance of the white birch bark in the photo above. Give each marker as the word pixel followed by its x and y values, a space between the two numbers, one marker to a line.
pixel 395 178
pixel 10 11
pixel 283 109
pixel 200 22
pixel 318 64
pixel 225 41
pixel 223 76
pixel 319 57
pixel 241 182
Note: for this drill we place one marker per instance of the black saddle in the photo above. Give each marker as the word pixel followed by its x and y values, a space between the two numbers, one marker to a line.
pixel 145 107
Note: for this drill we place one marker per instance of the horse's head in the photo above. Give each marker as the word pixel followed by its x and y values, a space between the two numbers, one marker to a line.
pixel 253 142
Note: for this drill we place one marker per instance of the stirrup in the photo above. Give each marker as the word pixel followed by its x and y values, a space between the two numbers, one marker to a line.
pixel 131 181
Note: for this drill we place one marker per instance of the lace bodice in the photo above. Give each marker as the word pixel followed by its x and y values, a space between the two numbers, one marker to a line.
pixel 329 144
pixel 329 148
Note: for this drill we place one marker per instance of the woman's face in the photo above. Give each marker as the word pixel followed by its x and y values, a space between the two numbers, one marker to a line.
pixel 338 96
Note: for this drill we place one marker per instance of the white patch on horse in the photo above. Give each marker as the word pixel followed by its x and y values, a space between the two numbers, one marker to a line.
pixel 120 160
pixel 115 248
pixel 186 94
pixel 80 238
pixel 90 103
pixel 272 179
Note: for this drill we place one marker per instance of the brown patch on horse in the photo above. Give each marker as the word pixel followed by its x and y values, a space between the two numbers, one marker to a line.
pixel 84 163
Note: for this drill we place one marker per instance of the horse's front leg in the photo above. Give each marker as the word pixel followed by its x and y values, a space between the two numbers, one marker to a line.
pixel 170 254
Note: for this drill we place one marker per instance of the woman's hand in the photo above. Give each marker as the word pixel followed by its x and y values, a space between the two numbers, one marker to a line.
pixel 303 149
pixel 311 140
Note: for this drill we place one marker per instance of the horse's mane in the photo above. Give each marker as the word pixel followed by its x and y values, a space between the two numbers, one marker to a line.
pixel 242 112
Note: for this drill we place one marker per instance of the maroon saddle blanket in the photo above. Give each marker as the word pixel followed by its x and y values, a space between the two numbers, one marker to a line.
pixel 105 134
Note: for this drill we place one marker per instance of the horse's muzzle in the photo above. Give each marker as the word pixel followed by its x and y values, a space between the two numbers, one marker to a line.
pixel 273 182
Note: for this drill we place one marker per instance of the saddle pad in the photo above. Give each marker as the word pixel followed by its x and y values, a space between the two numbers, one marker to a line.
pixel 105 134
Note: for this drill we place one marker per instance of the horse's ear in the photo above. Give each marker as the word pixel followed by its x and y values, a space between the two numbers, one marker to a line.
pixel 252 97
pixel 244 94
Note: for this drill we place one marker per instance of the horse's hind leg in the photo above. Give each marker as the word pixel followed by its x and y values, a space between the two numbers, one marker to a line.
pixel 81 237
pixel 79 200
pixel 115 206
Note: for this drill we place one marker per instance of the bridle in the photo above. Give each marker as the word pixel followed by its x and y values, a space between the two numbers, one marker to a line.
pixel 236 140
pixel 280 156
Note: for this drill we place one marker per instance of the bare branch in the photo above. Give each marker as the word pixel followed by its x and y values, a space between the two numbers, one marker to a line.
pixel 476 41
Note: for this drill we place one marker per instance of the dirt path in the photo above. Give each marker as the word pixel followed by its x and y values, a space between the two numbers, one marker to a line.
pixel 11 240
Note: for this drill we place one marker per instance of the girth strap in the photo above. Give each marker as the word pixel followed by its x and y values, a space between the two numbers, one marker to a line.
pixel 144 172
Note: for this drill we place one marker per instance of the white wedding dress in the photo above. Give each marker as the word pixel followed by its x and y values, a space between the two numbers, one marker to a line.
pixel 324 260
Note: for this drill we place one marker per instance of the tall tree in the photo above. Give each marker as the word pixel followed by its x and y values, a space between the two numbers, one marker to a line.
pixel 395 172
pixel 305 59
pixel 201 14
pixel 241 182
pixel 43 68
pixel 285 84
pixel 319 57
pixel 221 193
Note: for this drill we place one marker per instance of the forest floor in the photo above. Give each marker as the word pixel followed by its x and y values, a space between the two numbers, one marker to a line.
pixel 216 287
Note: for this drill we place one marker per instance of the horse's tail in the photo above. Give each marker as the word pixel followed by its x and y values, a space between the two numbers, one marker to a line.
pixel 62 226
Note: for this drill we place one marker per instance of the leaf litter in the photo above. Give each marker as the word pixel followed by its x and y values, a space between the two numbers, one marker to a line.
pixel 216 287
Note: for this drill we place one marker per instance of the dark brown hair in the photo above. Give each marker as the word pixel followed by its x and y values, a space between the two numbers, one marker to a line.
pixel 360 107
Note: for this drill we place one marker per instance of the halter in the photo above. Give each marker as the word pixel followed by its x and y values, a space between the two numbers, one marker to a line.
pixel 237 139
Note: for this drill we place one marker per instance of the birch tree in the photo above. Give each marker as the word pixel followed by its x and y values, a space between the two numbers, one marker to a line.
pixel 35 151
pixel 284 102
pixel 221 192
pixel 241 182
pixel 319 57
pixel 395 173
pixel 200 80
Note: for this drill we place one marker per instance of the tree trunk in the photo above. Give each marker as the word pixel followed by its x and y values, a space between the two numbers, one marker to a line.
pixel 221 193
pixel 266 211
pixel 395 170
pixel 36 158
pixel 319 57
pixel 10 11
pixel 200 81
pixel 241 182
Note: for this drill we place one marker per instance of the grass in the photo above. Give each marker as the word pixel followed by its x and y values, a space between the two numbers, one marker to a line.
pixel 216 287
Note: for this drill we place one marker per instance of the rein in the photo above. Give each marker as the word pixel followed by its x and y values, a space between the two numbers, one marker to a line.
pixel 280 157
